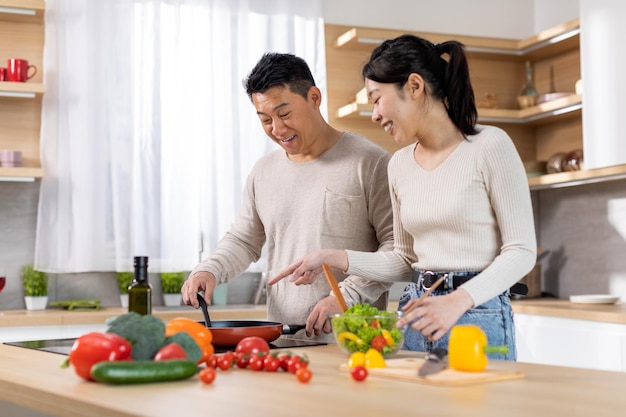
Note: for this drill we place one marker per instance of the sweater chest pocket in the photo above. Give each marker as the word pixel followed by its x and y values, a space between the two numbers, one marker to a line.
pixel 341 214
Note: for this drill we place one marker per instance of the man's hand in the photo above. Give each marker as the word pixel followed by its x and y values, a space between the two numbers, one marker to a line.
pixel 200 281
pixel 307 269
pixel 318 321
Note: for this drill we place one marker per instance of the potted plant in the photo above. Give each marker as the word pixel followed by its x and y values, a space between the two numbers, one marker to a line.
pixel 124 279
pixel 35 288
pixel 171 283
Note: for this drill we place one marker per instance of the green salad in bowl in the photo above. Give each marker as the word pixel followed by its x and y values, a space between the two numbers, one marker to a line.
pixel 363 326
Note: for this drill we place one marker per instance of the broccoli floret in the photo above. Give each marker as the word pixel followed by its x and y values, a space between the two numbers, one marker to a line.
pixel 146 333
pixel 193 351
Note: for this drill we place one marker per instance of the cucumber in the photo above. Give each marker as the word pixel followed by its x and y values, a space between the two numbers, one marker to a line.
pixel 136 372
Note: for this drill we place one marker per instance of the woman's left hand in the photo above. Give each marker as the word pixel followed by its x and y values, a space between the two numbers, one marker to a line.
pixel 434 316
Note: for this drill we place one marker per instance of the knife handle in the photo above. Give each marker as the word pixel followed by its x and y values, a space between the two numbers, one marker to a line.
pixel 438 353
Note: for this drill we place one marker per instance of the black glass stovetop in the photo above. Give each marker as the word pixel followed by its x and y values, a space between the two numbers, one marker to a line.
pixel 63 346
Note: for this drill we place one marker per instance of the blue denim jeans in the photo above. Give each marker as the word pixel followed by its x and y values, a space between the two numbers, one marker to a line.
pixel 495 317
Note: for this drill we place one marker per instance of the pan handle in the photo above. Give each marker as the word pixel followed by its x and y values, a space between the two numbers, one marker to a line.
pixel 292 328
pixel 205 312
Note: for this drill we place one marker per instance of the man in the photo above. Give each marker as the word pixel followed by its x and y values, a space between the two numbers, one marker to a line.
pixel 323 189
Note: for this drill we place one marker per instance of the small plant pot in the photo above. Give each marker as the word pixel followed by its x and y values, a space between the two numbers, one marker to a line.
pixel 172 300
pixel 36 303
pixel 124 300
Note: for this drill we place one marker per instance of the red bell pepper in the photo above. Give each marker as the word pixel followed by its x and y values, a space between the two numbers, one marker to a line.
pixel 95 347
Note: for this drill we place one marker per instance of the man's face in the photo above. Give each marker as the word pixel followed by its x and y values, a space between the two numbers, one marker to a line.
pixel 288 118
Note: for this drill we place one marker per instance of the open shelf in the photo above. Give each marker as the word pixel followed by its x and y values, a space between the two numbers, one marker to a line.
pixel 22 11
pixel 573 178
pixel 21 90
pixel 20 174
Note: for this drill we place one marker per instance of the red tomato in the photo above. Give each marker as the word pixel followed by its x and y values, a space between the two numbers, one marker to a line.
pixel 224 362
pixel 256 362
pixel 207 375
pixel 283 358
pixel 170 351
pixel 359 373
pixel 242 360
pixel 296 362
pixel 304 375
pixel 378 343
pixel 211 361
pixel 252 344
pixel 271 363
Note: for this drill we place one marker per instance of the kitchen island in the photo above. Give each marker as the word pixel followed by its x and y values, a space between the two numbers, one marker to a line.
pixel 34 380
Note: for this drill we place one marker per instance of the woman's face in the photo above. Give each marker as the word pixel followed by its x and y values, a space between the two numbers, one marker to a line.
pixel 394 109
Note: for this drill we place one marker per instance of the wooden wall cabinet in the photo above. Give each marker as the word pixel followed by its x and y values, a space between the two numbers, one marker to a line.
pixel 22 36
pixel 496 68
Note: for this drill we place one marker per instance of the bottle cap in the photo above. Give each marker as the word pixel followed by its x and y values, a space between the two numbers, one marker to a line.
pixel 141 261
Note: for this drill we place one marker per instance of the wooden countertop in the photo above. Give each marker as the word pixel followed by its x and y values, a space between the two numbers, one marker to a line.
pixel 34 379
pixel 61 317
pixel 552 307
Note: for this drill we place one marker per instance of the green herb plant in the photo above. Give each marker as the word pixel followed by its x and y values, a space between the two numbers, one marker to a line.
pixel 124 279
pixel 172 282
pixel 35 282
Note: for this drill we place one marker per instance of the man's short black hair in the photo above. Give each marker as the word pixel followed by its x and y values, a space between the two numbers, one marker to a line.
pixel 276 69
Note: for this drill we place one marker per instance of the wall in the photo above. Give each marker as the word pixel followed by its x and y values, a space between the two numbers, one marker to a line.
pixel 572 221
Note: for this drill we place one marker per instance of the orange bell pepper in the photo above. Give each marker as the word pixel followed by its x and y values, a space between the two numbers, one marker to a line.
pixel 199 333
pixel 467 348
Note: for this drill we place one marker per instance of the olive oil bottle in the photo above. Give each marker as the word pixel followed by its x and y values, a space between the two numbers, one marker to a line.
pixel 140 290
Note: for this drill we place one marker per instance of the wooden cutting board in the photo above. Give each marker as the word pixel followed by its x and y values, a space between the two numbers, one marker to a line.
pixel 406 369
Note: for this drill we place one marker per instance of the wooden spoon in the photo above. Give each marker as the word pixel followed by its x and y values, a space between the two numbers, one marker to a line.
pixel 332 281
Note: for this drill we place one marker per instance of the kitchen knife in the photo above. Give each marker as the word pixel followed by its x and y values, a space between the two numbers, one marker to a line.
pixel 435 361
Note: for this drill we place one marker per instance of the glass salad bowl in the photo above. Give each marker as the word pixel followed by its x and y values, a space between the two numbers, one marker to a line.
pixel 358 332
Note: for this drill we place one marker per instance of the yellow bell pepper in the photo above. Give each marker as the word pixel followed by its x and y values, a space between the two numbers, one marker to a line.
pixel 374 359
pixel 388 337
pixel 467 348
pixel 341 337
pixel 356 359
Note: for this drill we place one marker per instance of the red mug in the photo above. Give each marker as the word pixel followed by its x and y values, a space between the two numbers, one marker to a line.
pixel 4 74
pixel 19 70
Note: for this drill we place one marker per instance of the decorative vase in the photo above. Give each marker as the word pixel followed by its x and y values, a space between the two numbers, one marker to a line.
pixel 124 300
pixel 172 300
pixel 36 303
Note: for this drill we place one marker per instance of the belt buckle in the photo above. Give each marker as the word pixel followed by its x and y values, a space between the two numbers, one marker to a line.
pixel 428 279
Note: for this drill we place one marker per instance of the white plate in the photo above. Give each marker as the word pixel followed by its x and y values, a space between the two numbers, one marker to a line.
pixel 594 299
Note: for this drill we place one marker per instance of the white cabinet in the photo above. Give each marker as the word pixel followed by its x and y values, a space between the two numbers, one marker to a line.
pixel 569 342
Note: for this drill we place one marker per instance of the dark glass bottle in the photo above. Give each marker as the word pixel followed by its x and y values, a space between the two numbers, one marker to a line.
pixel 140 290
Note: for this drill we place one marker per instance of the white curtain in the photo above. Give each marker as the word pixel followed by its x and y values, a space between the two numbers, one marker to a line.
pixel 147 134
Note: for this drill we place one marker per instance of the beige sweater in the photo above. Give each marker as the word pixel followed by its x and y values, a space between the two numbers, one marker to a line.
pixel 471 213
pixel 339 200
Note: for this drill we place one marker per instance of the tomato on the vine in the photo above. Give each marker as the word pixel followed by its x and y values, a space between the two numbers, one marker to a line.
pixel 242 360
pixel 283 358
pixel 251 345
pixel 256 362
pixel 225 362
pixel 296 362
pixel 271 363
pixel 211 361
pixel 207 375
pixel 359 373
pixel 304 374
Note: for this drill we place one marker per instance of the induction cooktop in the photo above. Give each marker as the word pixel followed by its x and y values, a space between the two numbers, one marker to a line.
pixel 63 346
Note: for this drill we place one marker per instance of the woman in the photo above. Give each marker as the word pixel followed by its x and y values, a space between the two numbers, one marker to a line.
pixel 461 202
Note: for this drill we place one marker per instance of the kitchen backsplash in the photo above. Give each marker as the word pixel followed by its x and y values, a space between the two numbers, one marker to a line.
pixel 583 227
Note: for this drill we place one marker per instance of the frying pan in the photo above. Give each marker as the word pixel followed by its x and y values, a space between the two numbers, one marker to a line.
pixel 230 332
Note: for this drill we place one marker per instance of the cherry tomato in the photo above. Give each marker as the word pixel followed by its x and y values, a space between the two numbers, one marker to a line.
pixel 207 375
pixel 251 345
pixel 379 343
pixel 284 360
pixel 230 355
pixel 304 375
pixel 242 360
pixel 224 362
pixel 256 362
pixel 211 361
pixel 359 373
pixel 296 362
pixel 271 363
